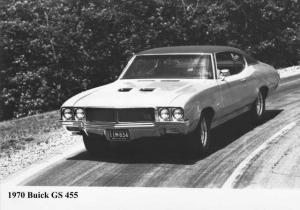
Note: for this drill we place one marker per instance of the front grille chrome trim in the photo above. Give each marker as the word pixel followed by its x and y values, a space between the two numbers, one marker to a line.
pixel 125 115
pixel 117 125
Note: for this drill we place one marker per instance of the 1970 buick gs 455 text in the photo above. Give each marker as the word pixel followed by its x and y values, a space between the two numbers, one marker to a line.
pixel 185 90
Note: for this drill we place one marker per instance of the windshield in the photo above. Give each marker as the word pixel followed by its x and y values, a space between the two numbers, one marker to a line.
pixel 170 66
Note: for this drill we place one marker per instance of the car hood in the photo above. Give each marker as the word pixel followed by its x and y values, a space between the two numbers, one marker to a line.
pixel 139 93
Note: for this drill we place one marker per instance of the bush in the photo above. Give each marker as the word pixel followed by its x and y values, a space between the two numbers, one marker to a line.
pixel 51 50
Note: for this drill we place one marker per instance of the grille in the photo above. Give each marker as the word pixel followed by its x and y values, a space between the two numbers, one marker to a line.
pixel 136 115
pixel 120 115
pixel 103 115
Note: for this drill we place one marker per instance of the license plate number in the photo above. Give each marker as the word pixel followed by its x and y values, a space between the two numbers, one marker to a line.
pixel 121 135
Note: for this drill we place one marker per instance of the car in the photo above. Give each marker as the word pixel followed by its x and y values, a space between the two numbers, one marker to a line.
pixel 182 90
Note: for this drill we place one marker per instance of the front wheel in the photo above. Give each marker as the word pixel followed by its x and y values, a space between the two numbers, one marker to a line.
pixel 258 108
pixel 200 139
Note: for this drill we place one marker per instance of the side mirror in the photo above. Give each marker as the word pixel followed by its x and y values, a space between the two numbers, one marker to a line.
pixel 224 73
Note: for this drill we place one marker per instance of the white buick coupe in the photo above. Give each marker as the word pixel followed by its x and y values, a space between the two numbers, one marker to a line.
pixel 185 90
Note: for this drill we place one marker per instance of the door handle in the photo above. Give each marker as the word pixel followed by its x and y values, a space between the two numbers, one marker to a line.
pixel 243 80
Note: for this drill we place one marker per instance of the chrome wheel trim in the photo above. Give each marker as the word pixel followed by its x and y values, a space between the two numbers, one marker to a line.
pixel 203 132
pixel 259 104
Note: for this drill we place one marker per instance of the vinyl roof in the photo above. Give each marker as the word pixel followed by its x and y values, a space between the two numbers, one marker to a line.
pixel 191 49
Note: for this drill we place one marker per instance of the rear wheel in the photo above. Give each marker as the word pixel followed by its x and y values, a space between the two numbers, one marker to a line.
pixel 258 108
pixel 200 139
pixel 95 144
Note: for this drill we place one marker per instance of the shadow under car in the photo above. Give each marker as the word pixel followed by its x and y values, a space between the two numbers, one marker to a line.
pixel 172 149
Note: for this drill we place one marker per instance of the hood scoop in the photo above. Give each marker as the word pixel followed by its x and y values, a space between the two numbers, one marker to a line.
pixel 147 89
pixel 125 89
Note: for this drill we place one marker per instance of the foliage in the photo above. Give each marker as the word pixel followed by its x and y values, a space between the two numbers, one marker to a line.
pixel 23 129
pixel 51 50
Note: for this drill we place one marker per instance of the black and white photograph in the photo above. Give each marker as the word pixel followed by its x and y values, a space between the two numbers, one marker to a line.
pixel 149 104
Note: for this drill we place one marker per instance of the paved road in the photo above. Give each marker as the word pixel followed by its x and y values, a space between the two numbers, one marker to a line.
pixel 159 163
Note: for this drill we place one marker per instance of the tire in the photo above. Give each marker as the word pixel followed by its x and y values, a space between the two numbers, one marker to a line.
pixel 95 144
pixel 200 139
pixel 258 108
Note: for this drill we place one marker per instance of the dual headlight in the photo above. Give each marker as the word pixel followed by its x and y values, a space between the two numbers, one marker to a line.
pixel 165 114
pixel 71 114
pixel 170 114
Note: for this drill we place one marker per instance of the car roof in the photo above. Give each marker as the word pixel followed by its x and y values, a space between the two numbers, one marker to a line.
pixel 191 49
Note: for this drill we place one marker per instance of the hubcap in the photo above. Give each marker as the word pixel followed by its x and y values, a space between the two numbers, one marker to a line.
pixel 203 132
pixel 259 104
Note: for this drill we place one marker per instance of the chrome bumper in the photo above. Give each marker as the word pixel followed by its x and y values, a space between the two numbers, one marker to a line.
pixel 136 130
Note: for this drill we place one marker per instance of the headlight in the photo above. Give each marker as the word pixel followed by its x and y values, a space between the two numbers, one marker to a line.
pixel 177 114
pixel 164 114
pixel 67 114
pixel 79 114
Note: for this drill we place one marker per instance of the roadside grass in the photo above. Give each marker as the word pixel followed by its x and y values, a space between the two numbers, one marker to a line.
pixel 16 134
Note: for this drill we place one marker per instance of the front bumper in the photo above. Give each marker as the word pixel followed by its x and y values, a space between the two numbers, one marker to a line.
pixel 136 130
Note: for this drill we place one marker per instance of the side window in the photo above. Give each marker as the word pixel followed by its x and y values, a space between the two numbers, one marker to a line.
pixel 234 62
pixel 250 60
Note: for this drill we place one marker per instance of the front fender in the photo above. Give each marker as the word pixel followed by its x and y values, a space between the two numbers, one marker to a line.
pixel 209 98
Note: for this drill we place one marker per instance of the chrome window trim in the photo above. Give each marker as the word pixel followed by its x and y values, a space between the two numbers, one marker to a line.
pixel 132 59
pixel 245 62
pixel 126 67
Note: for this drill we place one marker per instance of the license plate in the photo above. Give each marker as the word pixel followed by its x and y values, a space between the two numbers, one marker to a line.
pixel 118 134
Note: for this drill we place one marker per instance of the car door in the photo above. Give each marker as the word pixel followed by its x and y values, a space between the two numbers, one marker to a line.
pixel 243 73
pixel 232 86
pixel 249 84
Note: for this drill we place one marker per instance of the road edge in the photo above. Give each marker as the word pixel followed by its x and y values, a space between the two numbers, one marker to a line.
pixel 36 168
pixel 243 166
